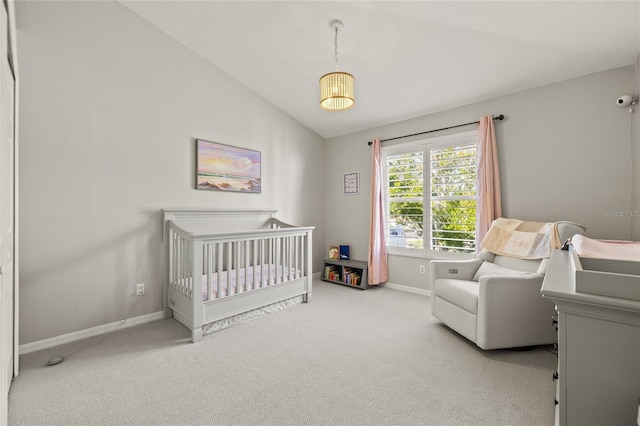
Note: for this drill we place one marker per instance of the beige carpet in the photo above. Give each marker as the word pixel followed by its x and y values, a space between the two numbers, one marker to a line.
pixel 349 357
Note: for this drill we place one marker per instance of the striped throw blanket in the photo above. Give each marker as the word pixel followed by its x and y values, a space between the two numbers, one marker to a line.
pixel 520 239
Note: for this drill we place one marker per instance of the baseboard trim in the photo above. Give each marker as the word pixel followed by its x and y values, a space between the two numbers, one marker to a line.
pixel 88 332
pixel 409 289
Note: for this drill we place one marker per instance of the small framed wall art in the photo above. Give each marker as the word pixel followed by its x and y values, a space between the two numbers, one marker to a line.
pixel 228 168
pixel 351 183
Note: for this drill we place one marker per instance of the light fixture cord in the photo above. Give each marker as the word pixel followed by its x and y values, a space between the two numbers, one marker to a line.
pixel 335 41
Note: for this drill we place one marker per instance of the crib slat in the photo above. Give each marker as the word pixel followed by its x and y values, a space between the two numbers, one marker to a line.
pixel 300 267
pixel 296 249
pixel 257 277
pixel 280 261
pixel 212 268
pixel 289 257
pixel 285 259
pixel 261 261
pixel 254 262
pixel 235 266
pixel 291 245
pixel 266 274
pixel 274 262
pixel 209 264
pixel 246 246
pixel 257 281
pixel 283 262
pixel 219 253
pixel 292 255
pixel 272 248
pixel 227 266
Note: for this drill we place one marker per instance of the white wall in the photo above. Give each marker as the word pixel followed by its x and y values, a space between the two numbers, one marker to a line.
pixel 109 110
pixel 564 153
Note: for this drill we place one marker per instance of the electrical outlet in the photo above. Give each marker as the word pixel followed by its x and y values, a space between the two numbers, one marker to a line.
pixel 423 270
pixel 139 289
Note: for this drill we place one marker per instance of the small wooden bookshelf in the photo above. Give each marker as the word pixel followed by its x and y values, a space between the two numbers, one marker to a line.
pixel 352 273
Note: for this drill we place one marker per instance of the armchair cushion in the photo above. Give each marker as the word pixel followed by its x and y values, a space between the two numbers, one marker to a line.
pixel 462 293
pixel 488 268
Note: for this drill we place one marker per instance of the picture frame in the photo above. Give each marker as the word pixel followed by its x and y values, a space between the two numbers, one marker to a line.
pixel 351 183
pixel 221 167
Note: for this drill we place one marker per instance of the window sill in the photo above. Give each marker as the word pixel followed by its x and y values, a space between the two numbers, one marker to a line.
pixel 419 254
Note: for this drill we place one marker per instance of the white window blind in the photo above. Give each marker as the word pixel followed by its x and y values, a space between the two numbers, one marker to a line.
pixel 431 195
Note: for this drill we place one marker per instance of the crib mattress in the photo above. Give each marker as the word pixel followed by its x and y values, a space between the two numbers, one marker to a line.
pixel 246 279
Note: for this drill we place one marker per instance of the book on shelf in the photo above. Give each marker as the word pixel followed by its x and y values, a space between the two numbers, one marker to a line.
pixel 331 272
pixel 355 280
pixel 352 277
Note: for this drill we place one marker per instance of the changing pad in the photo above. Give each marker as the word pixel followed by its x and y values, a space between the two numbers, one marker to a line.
pixel 606 249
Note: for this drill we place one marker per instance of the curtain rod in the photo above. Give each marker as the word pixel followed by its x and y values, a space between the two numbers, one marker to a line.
pixel 500 117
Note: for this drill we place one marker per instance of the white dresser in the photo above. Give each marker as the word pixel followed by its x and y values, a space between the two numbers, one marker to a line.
pixel 598 342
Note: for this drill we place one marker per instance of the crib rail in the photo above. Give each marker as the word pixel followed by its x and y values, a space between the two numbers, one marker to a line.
pixel 277 224
pixel 225 264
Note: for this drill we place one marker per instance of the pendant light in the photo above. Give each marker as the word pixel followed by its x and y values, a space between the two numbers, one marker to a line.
pixel 336 88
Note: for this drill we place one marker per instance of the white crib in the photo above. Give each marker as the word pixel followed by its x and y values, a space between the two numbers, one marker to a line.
pixel 222 263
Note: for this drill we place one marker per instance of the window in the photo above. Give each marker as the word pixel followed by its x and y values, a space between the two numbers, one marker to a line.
pixel 431 195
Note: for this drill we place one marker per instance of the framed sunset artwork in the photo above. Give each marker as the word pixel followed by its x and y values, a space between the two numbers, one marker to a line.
pixel 228 168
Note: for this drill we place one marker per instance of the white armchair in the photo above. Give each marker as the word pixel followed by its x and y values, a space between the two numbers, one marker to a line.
pixel 495 300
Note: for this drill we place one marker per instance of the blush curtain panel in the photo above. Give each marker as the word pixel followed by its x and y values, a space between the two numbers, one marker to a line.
pixel 489 205
pixel 378 267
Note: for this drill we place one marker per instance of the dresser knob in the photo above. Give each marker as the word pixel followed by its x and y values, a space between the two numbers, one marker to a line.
pixel 556 401
pixel 555 376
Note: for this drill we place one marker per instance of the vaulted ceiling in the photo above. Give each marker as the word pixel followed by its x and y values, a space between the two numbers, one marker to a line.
pixel 409 58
